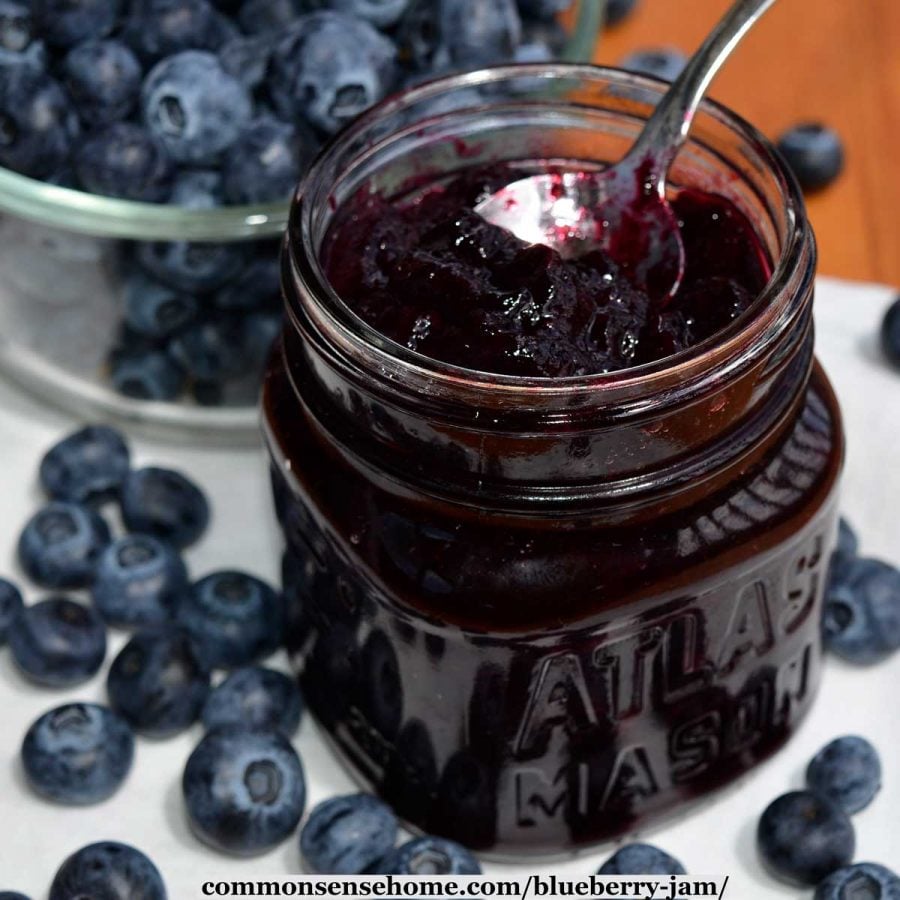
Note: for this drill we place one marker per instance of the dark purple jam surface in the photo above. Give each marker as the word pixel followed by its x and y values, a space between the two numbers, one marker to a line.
pixel 431 274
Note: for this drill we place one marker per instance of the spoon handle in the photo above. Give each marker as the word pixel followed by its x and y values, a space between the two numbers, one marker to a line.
pixel 667 129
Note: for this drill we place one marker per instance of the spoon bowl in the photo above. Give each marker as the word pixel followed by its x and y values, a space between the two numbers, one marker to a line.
pixel 577 213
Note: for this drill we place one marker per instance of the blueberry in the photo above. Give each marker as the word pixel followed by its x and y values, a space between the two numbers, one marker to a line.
pixel 86 466
pixel 463 98
pixel 161 28
pixel 104 80
pixel 147 375
pixel 439 34
pixel 19 44
pixel 213 348
pixel 890 333
pixel 641 859
pixel 65 23
pixel 233 618
pixel 544 10
pixel 265 163
pixel 257 286
pixel 33 59
pixel 847 771
pixel 381 13
pixel 348 835
pixel 534 52
pixel 298 575
pixel 193 107
pixel 17 27
pixel 191 266
pixel 128 342
pixel 37 122
pixel 861 617
pixel 864 881
pixel 108 871
pixel 244 789
pixel 465 801
pixel 246 58
pixel 411 776
pixel 124 160
pixel 165 504
pixel 665 63
pixel 814 153
pixel 255 697
pixel 381 685
pixel 803 837
pixel 269 16
pixel 57 642
pixel 60 545
pixel 330 67
pixel 333 673
pixel 10 606
pixel 139 581
pixel 78 753
pixel 12 895
pixel 198 189
pixel 154 309
pixel 429 856
pixel 157 683
pixel 550 34
pixel 618 10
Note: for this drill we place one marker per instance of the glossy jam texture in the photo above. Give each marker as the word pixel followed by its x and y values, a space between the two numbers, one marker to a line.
pixel 428 272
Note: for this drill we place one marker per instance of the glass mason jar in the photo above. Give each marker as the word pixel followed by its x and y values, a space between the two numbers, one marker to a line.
pixel 534 614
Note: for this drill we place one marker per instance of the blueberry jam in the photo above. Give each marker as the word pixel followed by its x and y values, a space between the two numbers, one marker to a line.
pixel 431 274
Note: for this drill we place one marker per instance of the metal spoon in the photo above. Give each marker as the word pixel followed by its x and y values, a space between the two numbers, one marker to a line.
pixel 623 209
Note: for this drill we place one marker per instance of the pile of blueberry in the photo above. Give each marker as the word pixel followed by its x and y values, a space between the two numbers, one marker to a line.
pixel 243 786
pixel 358 833
pixel 207 103
pixel 197 319
pixel 806 837
pixel 125 97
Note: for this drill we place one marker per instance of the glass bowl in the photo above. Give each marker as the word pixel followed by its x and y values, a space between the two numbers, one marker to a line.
pixel 61 253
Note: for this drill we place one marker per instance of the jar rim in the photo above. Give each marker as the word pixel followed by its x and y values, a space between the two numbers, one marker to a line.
pixel 732 346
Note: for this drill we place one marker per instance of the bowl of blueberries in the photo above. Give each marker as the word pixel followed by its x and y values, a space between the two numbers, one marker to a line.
pixel 148 153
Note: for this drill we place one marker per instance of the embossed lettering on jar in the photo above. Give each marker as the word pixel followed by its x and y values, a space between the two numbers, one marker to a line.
pixel 533 613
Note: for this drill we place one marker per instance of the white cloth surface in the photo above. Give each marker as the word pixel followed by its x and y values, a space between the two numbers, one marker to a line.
pixel 718 838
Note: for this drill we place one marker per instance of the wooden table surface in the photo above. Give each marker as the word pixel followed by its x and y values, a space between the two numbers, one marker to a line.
pixel 829 60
